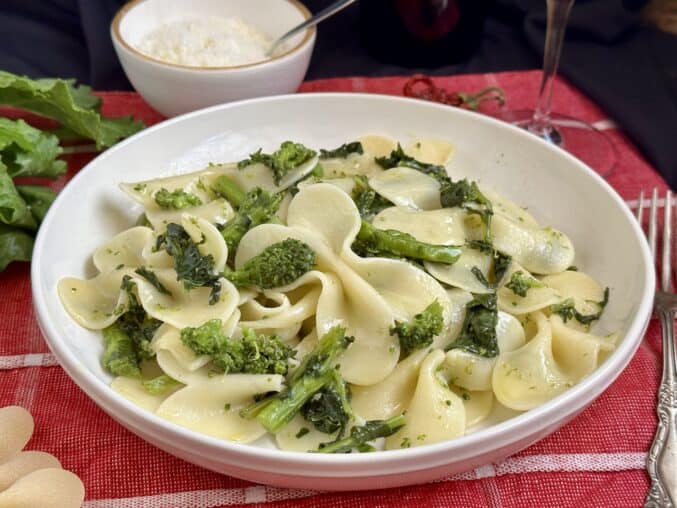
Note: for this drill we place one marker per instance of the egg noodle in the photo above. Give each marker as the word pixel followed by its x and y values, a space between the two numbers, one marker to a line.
pixel 447 304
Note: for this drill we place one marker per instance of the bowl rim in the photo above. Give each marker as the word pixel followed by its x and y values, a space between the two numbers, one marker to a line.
pixel 116 35
pixel 502 435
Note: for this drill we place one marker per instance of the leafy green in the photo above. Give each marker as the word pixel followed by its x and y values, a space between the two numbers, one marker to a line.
pixel 176 200
pixel 160 384
pixel 15 245
pixel 342 151
pixel 136 323
pixel 13 209
pixel 368 201
pixel 253 354
pixel 119 355
pixel 290 155
pixel 500 265
pixel 468 196
pixel 27 151
pixel 329 409
pixel 192 268
pixel 257 207
pixel 420 331
pixel 478 334
pixel 315 175
pixel 567 310
pixel 316 371
pixel 38 198
pixel 73 106
pixel 362 434
pixel 398 158
pixel 371 241
pixel 150 276
pixel 520 283
pixel 277 265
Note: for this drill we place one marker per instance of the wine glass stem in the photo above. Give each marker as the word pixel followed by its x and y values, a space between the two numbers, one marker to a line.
pixel 558 14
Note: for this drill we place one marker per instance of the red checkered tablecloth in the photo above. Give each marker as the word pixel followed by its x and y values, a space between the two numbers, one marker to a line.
pixel 596 460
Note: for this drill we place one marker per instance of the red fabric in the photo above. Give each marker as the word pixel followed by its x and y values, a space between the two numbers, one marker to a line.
pixel 596 460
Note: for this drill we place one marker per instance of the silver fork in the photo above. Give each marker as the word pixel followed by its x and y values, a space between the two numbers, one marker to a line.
pixel 662 459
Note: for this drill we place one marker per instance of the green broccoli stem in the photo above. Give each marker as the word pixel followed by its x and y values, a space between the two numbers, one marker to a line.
pixel 362 434
pixel 315 371
pixel 226 188
pixel 282 409
pixel 397 243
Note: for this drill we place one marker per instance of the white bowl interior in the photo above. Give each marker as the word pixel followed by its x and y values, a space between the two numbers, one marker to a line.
pixel 558 190
pixel 274 17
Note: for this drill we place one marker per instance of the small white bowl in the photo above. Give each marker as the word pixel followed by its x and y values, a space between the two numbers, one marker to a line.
pixel 175 89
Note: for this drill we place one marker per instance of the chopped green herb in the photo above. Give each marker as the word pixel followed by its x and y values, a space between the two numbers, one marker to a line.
pixel 302 432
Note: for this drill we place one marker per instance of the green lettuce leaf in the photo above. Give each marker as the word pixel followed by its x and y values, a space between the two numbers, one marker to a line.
pixel 73 106
pixel 38 198
pixel 27 151
pixel 13 209
pixel 15 245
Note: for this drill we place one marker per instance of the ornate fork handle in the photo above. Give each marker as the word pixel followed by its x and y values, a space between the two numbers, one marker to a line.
pixel 662 460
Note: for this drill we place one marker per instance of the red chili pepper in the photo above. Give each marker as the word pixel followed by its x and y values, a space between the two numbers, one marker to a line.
pixel 422 87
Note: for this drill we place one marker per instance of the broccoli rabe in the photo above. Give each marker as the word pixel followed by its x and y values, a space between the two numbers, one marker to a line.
pixel 136 323
pixel 160 384
pixel 398 158
pixel 192 268
pixel 257 207
pixel 176 200
pixel 375 242
pixel 567 310
pixel 150 276
pixel 226 188
pixel 420 331
pixel 500 265
pixel 329 409
pixel 520 283
pixel 119 355
pixel 362 434
pixel 367 200
pixel 253 354
pixel 478 334
pixel 342 151
pixel 316 371
pixel 468 196
pixel 277 265
pixel 290 155
pixel 314 175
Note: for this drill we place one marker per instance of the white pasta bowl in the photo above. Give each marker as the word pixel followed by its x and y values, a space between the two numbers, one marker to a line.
pixel 175 89
pixel 556 188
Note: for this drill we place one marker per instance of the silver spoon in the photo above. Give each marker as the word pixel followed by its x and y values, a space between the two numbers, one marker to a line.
pixel 328 11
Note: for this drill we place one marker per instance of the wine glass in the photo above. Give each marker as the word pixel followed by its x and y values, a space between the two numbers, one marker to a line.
pixel 575 136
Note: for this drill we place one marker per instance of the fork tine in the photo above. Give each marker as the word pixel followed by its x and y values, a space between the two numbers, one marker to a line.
pixel 653 219
pixel 667 242
pixel 640 208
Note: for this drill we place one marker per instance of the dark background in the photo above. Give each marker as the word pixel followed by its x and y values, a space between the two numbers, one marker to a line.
pixel 629 68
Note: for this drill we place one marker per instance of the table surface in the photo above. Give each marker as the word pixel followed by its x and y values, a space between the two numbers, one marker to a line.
pixel 595 460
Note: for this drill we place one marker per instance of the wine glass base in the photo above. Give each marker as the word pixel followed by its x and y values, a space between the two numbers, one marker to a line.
pixel 580 139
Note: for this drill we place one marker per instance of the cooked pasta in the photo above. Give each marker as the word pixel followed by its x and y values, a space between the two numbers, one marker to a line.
pixel 321 297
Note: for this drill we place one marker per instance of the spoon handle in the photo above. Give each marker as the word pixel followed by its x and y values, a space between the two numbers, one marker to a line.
pixel 328 11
